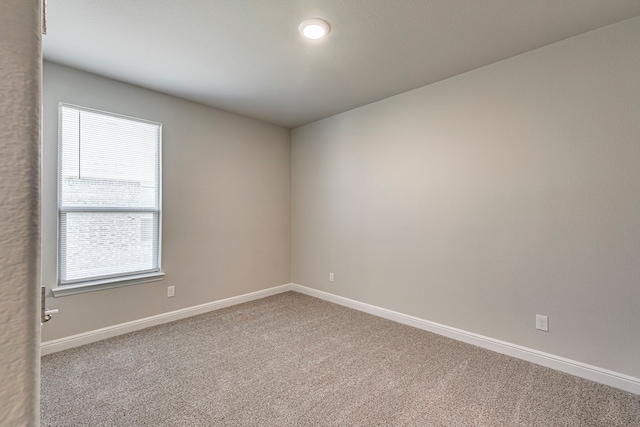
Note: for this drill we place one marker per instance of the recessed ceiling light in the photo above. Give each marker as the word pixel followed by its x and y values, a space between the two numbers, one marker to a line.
pixel 314 28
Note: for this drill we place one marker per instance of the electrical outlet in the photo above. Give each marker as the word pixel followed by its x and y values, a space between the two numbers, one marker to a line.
pixel 542 323
pixel 331 277
pixel 171 291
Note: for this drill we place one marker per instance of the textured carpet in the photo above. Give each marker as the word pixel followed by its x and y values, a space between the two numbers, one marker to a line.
pixel 293 360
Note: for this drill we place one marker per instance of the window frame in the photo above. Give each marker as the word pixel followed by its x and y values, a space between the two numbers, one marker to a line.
pixel 71 287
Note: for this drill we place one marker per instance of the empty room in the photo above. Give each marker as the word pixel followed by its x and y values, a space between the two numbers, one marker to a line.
pixel 320 213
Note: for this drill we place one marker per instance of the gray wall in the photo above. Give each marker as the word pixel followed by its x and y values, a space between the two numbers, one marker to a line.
pixel 226 203
pixel 20 66
pixel 487 198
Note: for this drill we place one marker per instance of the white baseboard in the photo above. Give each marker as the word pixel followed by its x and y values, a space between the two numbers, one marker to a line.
pixel 65 343
pixel 579 369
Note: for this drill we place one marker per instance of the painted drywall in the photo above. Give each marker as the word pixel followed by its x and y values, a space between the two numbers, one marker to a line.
pixel 485 199
pixel 20 66
pixel 226 203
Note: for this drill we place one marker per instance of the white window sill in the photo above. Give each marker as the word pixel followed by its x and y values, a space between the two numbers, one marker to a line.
pixel 99 285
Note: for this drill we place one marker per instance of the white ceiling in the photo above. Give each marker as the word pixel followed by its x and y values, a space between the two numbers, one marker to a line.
pixel 247 57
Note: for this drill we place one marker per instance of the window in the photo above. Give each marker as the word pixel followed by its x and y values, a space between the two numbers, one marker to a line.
pixel 109 198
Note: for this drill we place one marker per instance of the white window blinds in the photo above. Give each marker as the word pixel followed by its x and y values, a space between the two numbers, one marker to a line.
pixel 109 196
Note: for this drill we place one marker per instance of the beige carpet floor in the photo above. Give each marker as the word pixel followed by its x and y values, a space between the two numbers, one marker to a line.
pixel 293 360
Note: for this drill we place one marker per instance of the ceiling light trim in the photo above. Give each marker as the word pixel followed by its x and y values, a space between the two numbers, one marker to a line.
pixel 314 28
